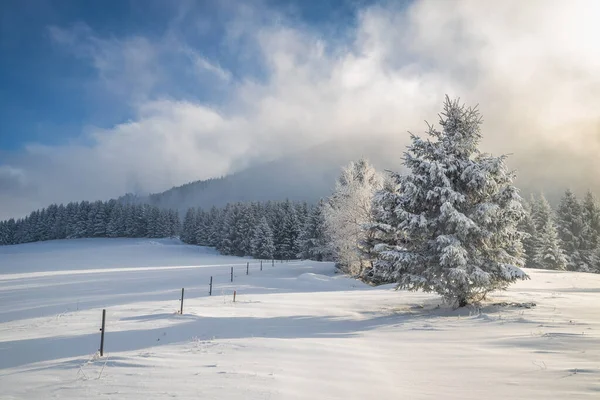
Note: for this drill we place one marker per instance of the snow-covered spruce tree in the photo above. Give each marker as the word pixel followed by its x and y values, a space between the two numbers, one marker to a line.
pixel 530 237
pixel 313 241
pixel 262 241
pixel 460 211
pixel 591 214
pixel 383 233
pixel 548 253
pixel 202 227
pixel 114 227
pixel 291 233
pixel 571 230
pixel 187 230
pixel 347 215
pixel 215 219
pixel 245 229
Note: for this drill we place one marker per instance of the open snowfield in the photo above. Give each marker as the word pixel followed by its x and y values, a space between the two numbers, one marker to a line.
pixel 297 330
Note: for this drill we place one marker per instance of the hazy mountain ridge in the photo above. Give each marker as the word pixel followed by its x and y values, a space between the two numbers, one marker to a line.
pixel 305 175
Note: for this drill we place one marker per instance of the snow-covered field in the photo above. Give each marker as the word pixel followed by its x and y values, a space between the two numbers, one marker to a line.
pixel 296 331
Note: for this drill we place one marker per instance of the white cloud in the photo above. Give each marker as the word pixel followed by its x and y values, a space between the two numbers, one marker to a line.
pixel 531 66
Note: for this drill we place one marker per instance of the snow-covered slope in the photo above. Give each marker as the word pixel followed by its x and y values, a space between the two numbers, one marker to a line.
pixel 296 331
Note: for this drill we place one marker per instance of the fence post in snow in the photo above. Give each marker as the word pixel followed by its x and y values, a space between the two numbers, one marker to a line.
pixel 247 268
pixel 102 333
pixel 181 310
pixel 273 262
pixel 231 274
pixel 261 265
pixel 234 296
pixel 210 287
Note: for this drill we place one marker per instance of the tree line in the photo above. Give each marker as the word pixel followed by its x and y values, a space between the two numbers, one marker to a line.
pixel 567 238
pixel 281 230
pixel 88 220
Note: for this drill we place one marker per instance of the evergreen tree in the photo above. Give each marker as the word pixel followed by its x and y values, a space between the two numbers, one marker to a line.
pixel 59 228
pixel 548 253
pixel 245 230
pixel 114 227
pixel 71 213
pixel 99 220
pixel 571 230
pixel 215 221
pixel 460 211
pixel 202 228
pixel 81 224
pixel 262 241
pixel 188 226
pixel 383 235
pixel 291 232
pixel 313 242
pixel 277 218
pixel 154 227
pixel 130 218
pixel 591 244
pixel 174 226
pixel 227 241
pixel 530 237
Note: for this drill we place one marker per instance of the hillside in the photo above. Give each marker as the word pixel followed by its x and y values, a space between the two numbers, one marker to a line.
pixel 305 175
pixel 296 331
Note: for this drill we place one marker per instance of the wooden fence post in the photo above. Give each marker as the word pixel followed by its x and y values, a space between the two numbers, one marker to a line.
pixel 181 310
pixel 210 287
pixel 261 265
pixel 102 333
pixel 234 296
pixel 231 274
pixel 247 268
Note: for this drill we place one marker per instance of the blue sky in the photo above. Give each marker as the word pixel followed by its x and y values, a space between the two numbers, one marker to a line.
pixel 99 98
pixel 49 94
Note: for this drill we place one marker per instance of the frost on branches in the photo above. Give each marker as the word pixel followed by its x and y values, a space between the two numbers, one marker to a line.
pixel 459 210
pixel 347 215
pixel 547 252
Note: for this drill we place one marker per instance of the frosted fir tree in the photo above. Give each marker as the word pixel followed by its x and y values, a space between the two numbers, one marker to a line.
pixel 202 228
pixel 71 211
pixel 114 228
pixel 313 241
pixel 229 236
pixel 153 228
pixel 262 241
pixel 81 228
pixel 548 253
pixel 348 212
pixel 383 233
pixel 164 227
pixel 530 237
pixel 571 231
pixel 175 225
pixel 460 211
pixel 291 232
pixel 591 214
pixel 187 231
pixel 245 229
pixel 215 217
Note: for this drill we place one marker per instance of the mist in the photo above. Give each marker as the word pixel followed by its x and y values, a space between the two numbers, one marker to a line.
pixel 531 67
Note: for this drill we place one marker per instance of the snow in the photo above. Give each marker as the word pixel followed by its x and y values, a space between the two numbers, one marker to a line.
pixel 297 330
